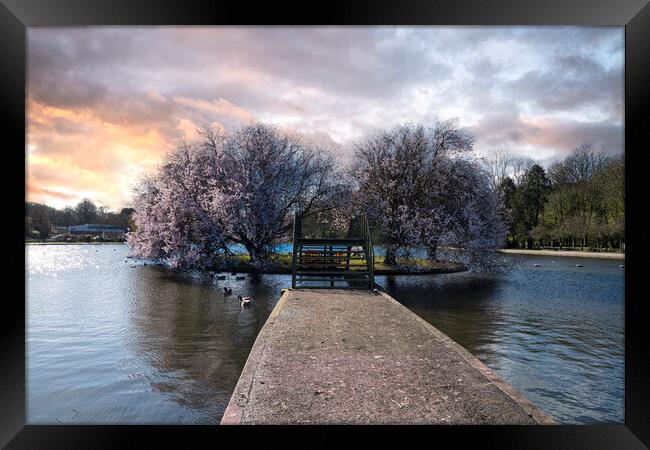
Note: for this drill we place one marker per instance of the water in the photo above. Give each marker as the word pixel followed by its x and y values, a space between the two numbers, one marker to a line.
pixel 554 332
pixel 108 343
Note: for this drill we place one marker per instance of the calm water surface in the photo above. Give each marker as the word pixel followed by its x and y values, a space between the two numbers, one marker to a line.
pixel 110 341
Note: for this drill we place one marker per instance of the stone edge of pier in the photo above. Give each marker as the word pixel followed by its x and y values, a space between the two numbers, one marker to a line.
pixel 234 412
pixel 540 417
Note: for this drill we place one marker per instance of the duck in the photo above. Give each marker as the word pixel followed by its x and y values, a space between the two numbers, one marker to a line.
pixel 221 277
pixel 579 265
pixel 244 301
pixel 240 278
pixel 537 265
pixel 227 291
pixel 622 266
pixel 233 273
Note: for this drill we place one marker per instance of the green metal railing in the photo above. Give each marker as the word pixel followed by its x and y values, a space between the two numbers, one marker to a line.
pixel 327 259
pixel 359 229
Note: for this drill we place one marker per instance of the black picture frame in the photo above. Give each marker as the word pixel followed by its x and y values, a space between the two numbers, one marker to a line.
pixel 16 15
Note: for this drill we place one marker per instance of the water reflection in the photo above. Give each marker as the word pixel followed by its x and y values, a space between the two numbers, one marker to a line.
pixel 198 334
pixel 466 300
pixel 112 343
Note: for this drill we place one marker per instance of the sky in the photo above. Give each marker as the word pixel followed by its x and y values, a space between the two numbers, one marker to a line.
pixel 105 104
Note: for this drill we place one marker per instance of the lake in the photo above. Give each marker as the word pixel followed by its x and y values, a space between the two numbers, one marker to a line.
pixel 112 341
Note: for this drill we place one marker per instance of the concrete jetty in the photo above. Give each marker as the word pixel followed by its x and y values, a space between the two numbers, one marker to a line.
pixel 360 357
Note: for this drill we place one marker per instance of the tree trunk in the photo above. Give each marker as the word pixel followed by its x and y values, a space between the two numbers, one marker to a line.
pixel 432 250
pixel 257 253
pixel 389 259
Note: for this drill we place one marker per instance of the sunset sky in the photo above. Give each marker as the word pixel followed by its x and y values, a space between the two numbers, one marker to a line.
pixel 104 104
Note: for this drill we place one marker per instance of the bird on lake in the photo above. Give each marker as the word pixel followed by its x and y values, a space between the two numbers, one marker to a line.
pixel 221 277
pixel 537 265
pixel 621 266
pixel 227 291
pixel 579 265
pixel 233 273
pixel 244 301
pixel 240 278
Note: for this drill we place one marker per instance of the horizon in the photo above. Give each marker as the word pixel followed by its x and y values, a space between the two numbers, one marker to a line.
pixel 105 104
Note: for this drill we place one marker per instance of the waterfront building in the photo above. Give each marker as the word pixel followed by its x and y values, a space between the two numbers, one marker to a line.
pixel 91 229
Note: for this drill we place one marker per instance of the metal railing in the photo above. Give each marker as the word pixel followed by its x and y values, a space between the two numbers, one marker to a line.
pixel 360 229
pixel 297 234
pixel 331 257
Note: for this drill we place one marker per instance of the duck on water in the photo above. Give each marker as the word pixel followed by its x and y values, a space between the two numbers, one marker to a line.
pixel 244 301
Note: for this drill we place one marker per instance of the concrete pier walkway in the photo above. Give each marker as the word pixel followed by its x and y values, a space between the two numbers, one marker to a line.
pixel 357 357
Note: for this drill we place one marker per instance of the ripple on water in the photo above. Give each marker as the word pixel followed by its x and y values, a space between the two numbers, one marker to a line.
pixel 554 332
pixel 121 344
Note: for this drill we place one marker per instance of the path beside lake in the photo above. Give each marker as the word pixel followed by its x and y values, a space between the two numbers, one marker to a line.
pixel 564 253
pixel 330 356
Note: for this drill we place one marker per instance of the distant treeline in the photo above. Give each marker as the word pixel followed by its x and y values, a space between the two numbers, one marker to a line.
pixel 578 202
pixel 39 217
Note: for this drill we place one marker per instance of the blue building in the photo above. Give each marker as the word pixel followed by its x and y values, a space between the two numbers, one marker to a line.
pixel 97 230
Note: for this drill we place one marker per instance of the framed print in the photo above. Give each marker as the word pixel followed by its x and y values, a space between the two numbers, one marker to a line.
pixel 369 213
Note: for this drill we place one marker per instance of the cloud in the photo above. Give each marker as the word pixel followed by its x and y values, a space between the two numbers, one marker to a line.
pixel 571 83
pixel 218 108
pixel 35 190
pixel 106 103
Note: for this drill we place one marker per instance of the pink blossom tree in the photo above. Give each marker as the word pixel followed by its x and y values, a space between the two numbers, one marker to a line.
pixel 419 191
pixel 461 217
pixel 174 223
pixel 234 186
pixel 394 171
pixel 263 174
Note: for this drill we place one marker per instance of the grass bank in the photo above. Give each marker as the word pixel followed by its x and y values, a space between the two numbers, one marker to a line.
pixel 575 253
pixel 73 243
pixel 281 264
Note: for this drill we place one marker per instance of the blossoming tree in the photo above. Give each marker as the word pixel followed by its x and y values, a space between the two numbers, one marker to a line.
pixel 419 191
pixel 174 222
pixel 263 174
pixel 234 186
